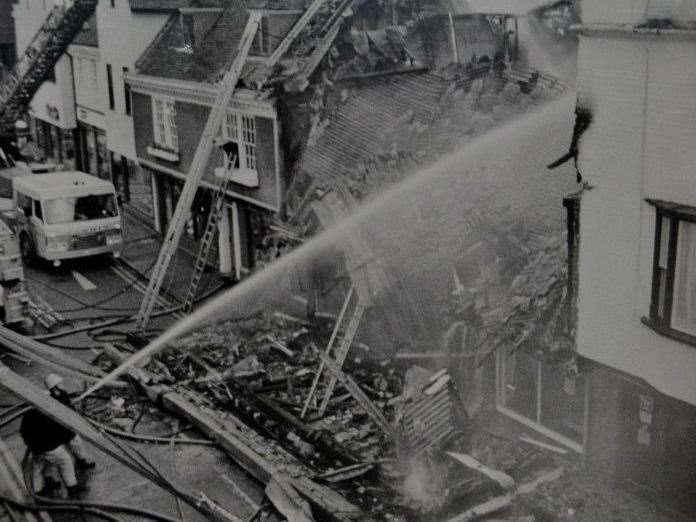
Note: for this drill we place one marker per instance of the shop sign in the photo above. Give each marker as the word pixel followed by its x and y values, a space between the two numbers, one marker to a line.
pixel 52 112
pixel 90 117
pixel 645 415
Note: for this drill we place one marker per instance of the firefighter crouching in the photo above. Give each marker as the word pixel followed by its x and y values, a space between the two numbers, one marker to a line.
pixel 51 444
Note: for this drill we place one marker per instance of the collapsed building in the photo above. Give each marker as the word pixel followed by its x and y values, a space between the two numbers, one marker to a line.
pixel 367 95
pixel 361 401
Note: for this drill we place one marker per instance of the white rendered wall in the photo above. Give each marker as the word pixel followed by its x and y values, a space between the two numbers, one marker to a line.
pixel 635 12
pixel 641 144
pixel 29 15
pixel 123 37
pixel 88 92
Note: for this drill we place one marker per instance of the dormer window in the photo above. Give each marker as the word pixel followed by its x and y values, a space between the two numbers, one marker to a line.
pixel 262 44
pixel 188 37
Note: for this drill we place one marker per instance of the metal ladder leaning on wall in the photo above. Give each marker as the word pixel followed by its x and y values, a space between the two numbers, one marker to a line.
pixel 216 209
pixel 198 165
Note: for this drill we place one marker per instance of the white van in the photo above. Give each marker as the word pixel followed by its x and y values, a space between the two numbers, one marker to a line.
pixel 63 215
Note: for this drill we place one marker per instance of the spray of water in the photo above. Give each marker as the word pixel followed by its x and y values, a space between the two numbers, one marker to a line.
pixel 419 228
pixel 547 51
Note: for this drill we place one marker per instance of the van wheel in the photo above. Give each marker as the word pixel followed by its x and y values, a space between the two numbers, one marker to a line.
pixel 27 247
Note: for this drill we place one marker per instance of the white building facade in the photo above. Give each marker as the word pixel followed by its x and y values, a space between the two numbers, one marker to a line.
pixel 52 110
pixel 125 31
pixel 637 259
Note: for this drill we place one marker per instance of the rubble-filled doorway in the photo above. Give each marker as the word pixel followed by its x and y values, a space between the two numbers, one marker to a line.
pixel 543 391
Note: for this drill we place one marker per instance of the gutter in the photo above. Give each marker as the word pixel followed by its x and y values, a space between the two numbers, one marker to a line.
pixel 598 28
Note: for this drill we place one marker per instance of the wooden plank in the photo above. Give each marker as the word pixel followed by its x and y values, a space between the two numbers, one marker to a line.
pixel 239 447
pixel 532 485
pixel 490 506
pixel 47 356
pixel 505 480
pixel 375 413
pixel 11 480
pixel 543 445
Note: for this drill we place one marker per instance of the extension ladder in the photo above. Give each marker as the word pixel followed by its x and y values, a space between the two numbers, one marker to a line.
pixel 40 57
pixel 198 165
pixel 344 342
pixel 363 400
pixel 292 35
pixel 218 205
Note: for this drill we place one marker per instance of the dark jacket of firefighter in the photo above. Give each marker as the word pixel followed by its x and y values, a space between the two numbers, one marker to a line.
pixel 41 433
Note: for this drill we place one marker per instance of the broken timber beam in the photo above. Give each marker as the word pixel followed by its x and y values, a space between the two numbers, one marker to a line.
pixel 12 482
pixel 239 447
pixel 490 506
pixel 503 479
pixel 375 414
pixel 49 357
pixel 248 453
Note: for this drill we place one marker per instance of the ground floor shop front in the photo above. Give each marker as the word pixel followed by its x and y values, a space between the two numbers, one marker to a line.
pixel 58 145
pixel 623 427
pixel 232 252
pixel 546 391
pixel 644 439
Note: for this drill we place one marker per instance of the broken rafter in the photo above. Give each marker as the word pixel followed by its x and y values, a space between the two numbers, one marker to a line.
pixel 505 480
pixel 363 400
pixel 238 446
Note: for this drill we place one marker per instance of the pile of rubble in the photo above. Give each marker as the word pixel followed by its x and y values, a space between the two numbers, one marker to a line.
pixel 399 446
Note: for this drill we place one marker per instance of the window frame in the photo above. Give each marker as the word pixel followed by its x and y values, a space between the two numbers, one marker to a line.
pixel 126 93
pixel 78 71
pixel 110 86
pixel 246 138
pixel 263 37
pixel 661 320
pixel 165 130
pixel 25 202
pixel 37 211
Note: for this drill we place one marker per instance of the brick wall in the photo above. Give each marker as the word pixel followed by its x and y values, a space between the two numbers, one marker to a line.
pixel 191 119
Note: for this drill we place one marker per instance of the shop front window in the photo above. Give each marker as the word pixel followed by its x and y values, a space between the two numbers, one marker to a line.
pixel 68 150
pixel 90 163
pixel 103 164
pixel 544 389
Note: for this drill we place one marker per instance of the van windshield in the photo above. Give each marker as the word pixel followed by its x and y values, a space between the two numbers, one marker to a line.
pixel 85 208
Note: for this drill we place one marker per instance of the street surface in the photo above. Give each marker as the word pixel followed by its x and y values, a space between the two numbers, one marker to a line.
pixel 100 290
